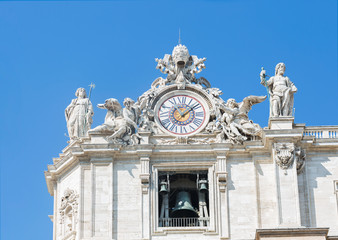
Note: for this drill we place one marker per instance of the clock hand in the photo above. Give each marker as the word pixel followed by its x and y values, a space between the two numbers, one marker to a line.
pixel 179 111
pixel 189 108
pixel 186 110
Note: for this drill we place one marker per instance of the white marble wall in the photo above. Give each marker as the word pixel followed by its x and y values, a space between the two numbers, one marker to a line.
pixel 87 203
pixel 242 198
pixel 266 194
pixel 321 171
pixel 127 200
pixel 111 198
pixel 102 200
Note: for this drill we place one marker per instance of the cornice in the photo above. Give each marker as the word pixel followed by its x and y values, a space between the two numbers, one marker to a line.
pixel 283 232
pixel 82 150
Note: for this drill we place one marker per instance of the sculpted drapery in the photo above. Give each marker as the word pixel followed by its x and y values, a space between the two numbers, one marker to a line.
pixel 79 115
pixel 281 91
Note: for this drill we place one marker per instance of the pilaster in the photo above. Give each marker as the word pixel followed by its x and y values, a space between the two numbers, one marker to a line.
pixel 144 156
pixel 55 213
pixel 286 185
pixel 102 197
pixel 222 175
pixel 85 212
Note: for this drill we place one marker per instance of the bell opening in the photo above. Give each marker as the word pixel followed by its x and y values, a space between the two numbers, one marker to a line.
pixel 183 199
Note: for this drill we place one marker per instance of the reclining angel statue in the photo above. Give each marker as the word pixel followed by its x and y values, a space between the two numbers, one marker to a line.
pixel 234 122
pixel 121 123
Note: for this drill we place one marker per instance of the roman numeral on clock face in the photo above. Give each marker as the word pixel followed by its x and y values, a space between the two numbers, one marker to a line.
pixel 173 128
pixel 191 128
pixel 199 114
pixel 190 101
pixel 182 99
pixel 165 122
pixel 183 129
pixel 172 101
pixel 164 114
pixel 196 106
pixel 197 121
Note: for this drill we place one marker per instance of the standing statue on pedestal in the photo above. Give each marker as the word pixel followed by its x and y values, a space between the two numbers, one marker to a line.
pixel 281 91
pixel 79 115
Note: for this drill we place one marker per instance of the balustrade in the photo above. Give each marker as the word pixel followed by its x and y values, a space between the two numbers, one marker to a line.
pixel 184 222
pixel 321 132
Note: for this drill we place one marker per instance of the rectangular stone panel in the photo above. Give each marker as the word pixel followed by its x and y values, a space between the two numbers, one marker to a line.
pixel 87 203
pixel 102 200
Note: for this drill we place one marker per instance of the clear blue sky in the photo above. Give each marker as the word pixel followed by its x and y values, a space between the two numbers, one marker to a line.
pixel 49 49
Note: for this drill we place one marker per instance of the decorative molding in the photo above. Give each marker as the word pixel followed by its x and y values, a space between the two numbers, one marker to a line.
pixel 145 171
pixel 222 180
pixel 291 233
pixel 284 154
pixel 222 175
pixel 335 190
pixel 174 141
pixel 68 214
pixel 300 156
pixel 335 182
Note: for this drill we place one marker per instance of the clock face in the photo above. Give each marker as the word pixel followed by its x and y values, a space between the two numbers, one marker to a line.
pixel 182 114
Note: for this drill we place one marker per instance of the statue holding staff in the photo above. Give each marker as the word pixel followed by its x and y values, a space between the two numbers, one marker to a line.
pixel 281 91
pixel 79 115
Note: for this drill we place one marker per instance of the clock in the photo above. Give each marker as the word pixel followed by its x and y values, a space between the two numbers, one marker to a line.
pixel 182 113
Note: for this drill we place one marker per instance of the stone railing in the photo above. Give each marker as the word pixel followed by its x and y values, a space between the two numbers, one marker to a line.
pixel 321 132
pixel 184 222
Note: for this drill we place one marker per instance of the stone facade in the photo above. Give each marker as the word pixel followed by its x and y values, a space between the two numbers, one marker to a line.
pixel 120 180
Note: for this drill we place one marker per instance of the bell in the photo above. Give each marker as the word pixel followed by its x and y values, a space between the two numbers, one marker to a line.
pixel 183 207
pixel 163 188
pixel 203 185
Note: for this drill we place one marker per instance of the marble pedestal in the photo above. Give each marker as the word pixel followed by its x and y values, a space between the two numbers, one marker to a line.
pixel 281 123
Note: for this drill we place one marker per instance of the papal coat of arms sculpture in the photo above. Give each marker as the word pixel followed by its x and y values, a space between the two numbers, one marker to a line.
pixel 181 108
